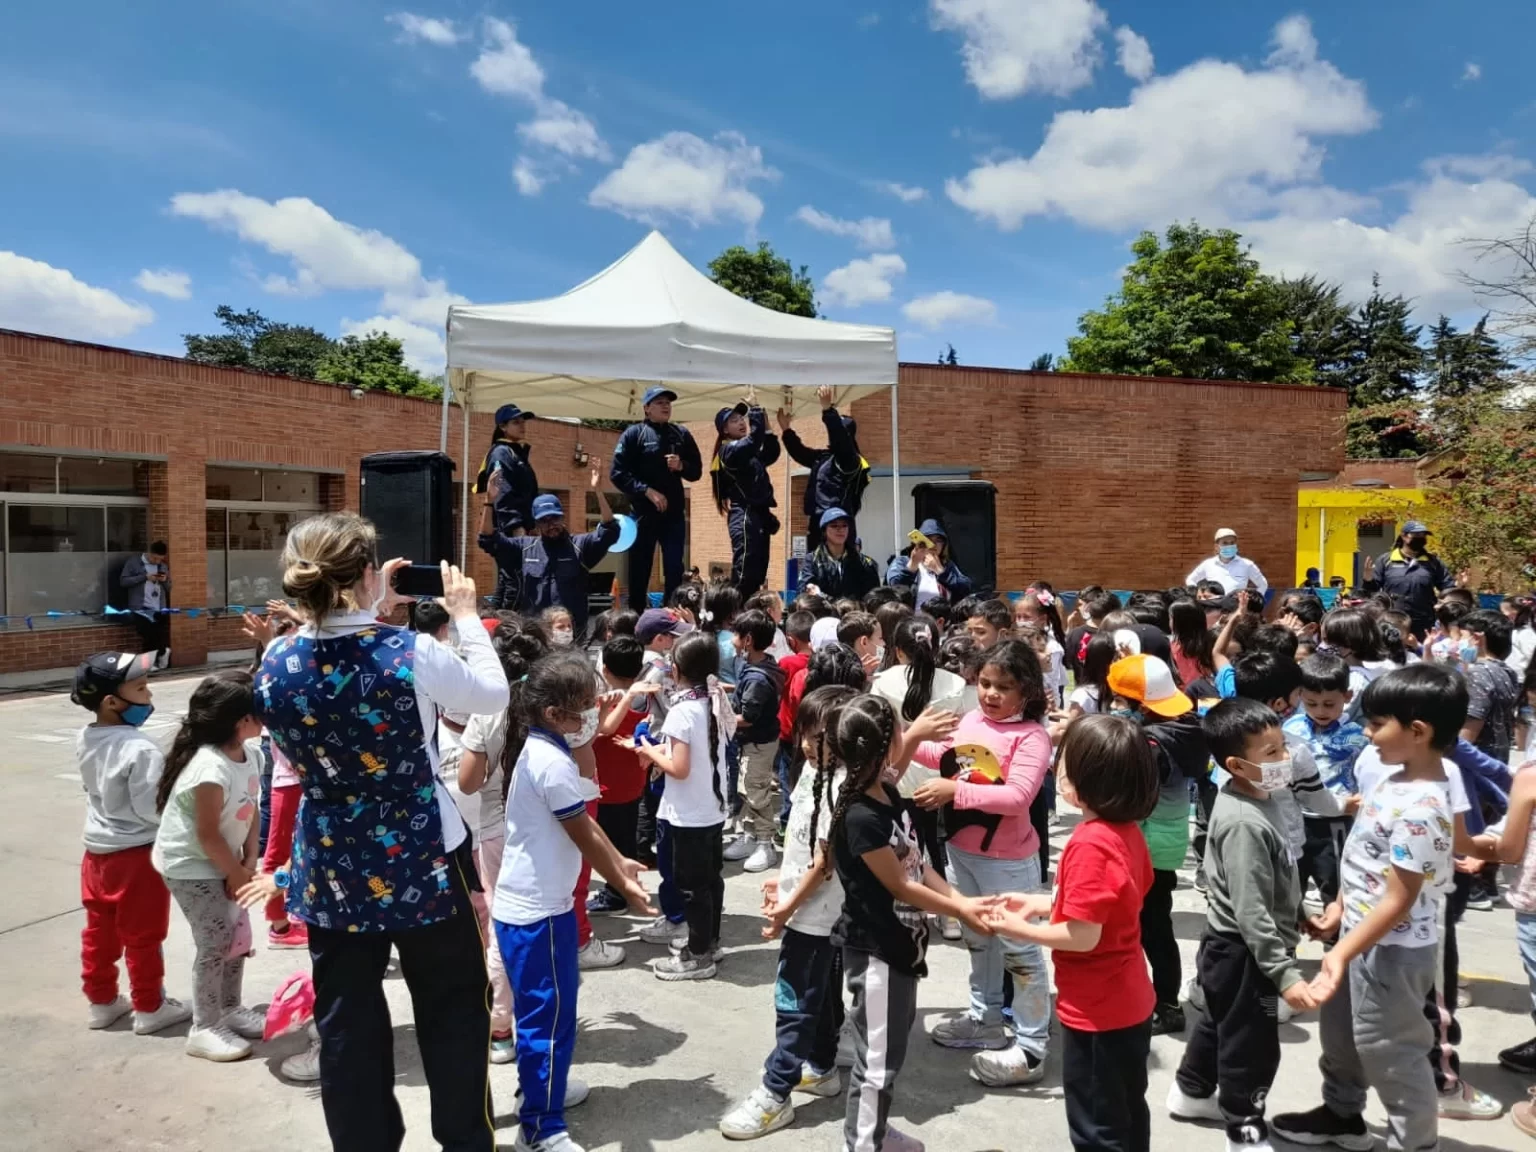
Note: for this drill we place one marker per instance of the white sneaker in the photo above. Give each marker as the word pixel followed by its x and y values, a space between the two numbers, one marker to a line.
pixel 576 1093
pixel 825 1085
pixel 716 953
pixel 898 1141
pixel 740 848
pixel 303 1068
pixel 1008 1067
pixel 847 1042
pixel 599 954
pixel 1246 1145
pixel 559 1142
pixel 764 857
pixel 106 1015
pixel 1194 995
pixel 503 1049
pixel 251 1023
pixel 1182 1107
pixel 663 931
pixel 968 1032
pixel 757 1115
pixel 949 928
pixel 1283 1011
pixel 171 1012
pixel 218 1044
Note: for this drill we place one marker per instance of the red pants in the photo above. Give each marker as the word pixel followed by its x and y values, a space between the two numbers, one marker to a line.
pixel 285 812
pixel 127 913
pixel 583 882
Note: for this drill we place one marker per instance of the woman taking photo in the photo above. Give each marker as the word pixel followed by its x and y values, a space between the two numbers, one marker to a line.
pixel 738 474
pixel 381 857
pixel 931 570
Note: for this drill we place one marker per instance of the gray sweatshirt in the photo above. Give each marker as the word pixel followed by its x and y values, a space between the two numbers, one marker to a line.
pixel 119 768
pixel 1254 890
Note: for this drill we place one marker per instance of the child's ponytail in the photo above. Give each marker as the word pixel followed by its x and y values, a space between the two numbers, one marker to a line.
pixel 866 728
pixel 214 713
pixel 917 638
pixel 696 658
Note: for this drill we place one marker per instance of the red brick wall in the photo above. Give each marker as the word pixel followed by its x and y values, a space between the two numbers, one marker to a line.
pixel 65 395
pixel 1100 479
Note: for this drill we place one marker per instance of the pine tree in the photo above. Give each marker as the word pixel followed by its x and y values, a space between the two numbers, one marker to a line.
pixel 1045 362
pixel 1464 363
pixel 1386 404
pixel 1320 328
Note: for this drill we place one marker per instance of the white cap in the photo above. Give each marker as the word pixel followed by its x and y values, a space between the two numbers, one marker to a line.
pixel 824 633
pixel 1220 532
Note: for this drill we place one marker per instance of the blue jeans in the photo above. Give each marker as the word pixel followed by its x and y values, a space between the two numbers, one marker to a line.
pixel 540 959
pixel 671 532
pixel 781 766
pixel 669 898
pixel 1525 934
pixel 974 875
pixel 266 795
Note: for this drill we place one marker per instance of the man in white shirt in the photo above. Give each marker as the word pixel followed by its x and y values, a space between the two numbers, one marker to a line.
pixel 1227 568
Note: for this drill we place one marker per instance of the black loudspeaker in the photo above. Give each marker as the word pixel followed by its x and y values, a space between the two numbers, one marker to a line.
pixel 409 498
pixel 968 511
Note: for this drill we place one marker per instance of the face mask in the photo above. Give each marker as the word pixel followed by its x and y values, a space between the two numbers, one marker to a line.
pixel 1469 653
pixel 1273 776
pixel 583 737
pixel 562 637
pixel 1227 551
pixel 1123 713
pixel 135 714
pixel 880 653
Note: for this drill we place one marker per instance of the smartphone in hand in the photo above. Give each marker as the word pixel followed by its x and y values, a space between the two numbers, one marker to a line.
pixel 420 580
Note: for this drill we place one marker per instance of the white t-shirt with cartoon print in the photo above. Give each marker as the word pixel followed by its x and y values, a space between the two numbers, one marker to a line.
pixel 1406 824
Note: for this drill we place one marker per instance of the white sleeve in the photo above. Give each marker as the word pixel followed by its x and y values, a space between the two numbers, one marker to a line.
pixel 144 772
pixel 475 684
pixel 1258 578
pixel 1196 575
pixel 1457 788
pixel 475 733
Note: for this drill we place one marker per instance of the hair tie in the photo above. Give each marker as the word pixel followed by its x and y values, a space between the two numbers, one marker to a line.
pixel 1044 598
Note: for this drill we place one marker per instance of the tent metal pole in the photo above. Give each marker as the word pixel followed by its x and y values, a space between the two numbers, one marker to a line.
pixel 895 472
pixel 442 437
pixel 464 498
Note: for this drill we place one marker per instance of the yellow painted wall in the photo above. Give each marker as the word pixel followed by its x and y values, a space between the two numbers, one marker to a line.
pixel 1327 524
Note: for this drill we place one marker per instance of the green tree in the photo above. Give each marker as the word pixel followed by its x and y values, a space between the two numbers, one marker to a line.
pixel 765 278
pixel 1196 306
pixel 1044 362
pixel 250 340
pixel 1320 328
pixel 375 361
pixel 948 356
pixel 1464 363
pixel 1484 495
pixel 1387 417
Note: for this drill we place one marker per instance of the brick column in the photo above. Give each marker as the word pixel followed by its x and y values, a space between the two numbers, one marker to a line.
pixel 178 515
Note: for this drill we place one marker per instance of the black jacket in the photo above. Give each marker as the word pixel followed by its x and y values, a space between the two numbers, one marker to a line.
pixel 639 462
pixel 1182 752
pixel 514 507
pixel 740 472
pixel 759 688
pixel 853 574
pixel 839 474
pixel 1412 582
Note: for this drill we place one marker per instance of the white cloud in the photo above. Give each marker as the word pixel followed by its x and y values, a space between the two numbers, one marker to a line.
pixel 505 65
pixel 946 308
pixel 560 127
pixel 527 177
pixel 869 232
pixel 165 282
pixel 1472 72
pixel 863 281
pixel 1016 46
pixel 430 29
pixel 906 193
pixel 423 347
pixel 1212 140
pixel 326 253
pixel 37 297
pixel 679 175
pixel 423 303
pixel 1134 54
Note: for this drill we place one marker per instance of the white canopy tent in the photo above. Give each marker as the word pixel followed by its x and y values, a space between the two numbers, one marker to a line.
pixel 648 318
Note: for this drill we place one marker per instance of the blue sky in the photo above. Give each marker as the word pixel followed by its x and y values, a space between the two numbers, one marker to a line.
pixel 967 171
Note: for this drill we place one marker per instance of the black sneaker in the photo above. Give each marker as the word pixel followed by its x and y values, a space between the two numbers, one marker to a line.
pixel 1521 1058
pixel 1167 1020
pixel 1323 1126
pixel 605 900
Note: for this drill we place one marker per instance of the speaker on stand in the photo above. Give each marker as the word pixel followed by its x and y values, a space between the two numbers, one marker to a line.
pixel 968 511
pixel 409 498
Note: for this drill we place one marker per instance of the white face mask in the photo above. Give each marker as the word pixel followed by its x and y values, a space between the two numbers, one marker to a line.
pixel 1273 776
pixel 583 737
pixel 562 637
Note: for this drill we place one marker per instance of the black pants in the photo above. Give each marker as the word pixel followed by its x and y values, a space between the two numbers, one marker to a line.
pixel 1158 940
pixel 1320 852
pixel 813 531
pixel 1040 821
pixel 1440 1004
pixel 620 823
pixel 1205 796
pixel 748 528
pixel 698 870
pixel 926 823
pixel 645 823
pixel 1104 1079
pixel 671 532
pixel 444 969
pixel 1235 1048
pixel 808 997
pixel 154 631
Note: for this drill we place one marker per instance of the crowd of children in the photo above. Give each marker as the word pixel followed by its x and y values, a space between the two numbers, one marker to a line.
pixel 898 767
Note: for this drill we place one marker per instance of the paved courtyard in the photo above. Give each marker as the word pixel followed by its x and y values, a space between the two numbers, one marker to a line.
pixel 665 1060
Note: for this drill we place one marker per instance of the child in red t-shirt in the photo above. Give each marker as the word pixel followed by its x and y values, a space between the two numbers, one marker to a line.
pixel 620 774
pixel 1104 996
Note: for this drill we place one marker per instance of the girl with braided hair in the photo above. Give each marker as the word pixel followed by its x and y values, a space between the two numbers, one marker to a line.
pixel 886 891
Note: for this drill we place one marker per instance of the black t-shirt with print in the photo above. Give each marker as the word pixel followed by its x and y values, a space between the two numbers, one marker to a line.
pixel 873 920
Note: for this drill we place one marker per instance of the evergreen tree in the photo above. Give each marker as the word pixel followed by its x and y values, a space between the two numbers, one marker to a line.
pixel 1045 362
pixel 948 356
pixel 1464 363
pixel 1386 355
pixel 1320 328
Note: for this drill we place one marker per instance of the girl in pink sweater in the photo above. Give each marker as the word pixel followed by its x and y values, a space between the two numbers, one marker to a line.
pixel 990 771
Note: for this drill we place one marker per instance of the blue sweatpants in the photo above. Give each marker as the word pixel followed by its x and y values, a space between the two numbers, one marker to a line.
pixel 669 898
pixel 540 959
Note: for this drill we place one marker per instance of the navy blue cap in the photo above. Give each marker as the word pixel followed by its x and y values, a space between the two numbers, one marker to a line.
pixel 932 528
pixel 511 412
pixel 657 392
pixel 726 413
pixel 546 506
pixel 832 514
pixel 1416 528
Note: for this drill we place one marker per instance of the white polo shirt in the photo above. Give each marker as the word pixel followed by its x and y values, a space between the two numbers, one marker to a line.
pixel 1233 575
pixel 541 863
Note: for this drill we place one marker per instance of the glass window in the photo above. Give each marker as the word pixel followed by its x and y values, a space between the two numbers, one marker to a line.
pixel 26 473
pixel 127 537
pixel 291 487
pixel 255 545
pixel 218 562
pixel 80 475
pixel 57 559
pixel 233 484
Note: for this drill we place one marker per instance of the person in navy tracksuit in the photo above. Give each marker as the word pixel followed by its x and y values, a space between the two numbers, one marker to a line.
pixel 738 474
pixel 513 501
pixel 650 463
pixel 839 472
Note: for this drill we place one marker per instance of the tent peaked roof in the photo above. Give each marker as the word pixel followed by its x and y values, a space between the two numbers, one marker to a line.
pixel 653 317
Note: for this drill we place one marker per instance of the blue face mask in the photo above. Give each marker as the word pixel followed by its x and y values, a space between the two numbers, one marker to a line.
pixel 135 714
pixel 1227 551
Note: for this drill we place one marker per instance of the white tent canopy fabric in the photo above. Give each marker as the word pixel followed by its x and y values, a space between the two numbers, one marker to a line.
pixel 651 317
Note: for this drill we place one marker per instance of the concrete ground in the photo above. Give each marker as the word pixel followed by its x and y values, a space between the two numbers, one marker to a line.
pixel 665 1060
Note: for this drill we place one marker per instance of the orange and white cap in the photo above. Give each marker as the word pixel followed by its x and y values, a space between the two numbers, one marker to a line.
pixel 1149 681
